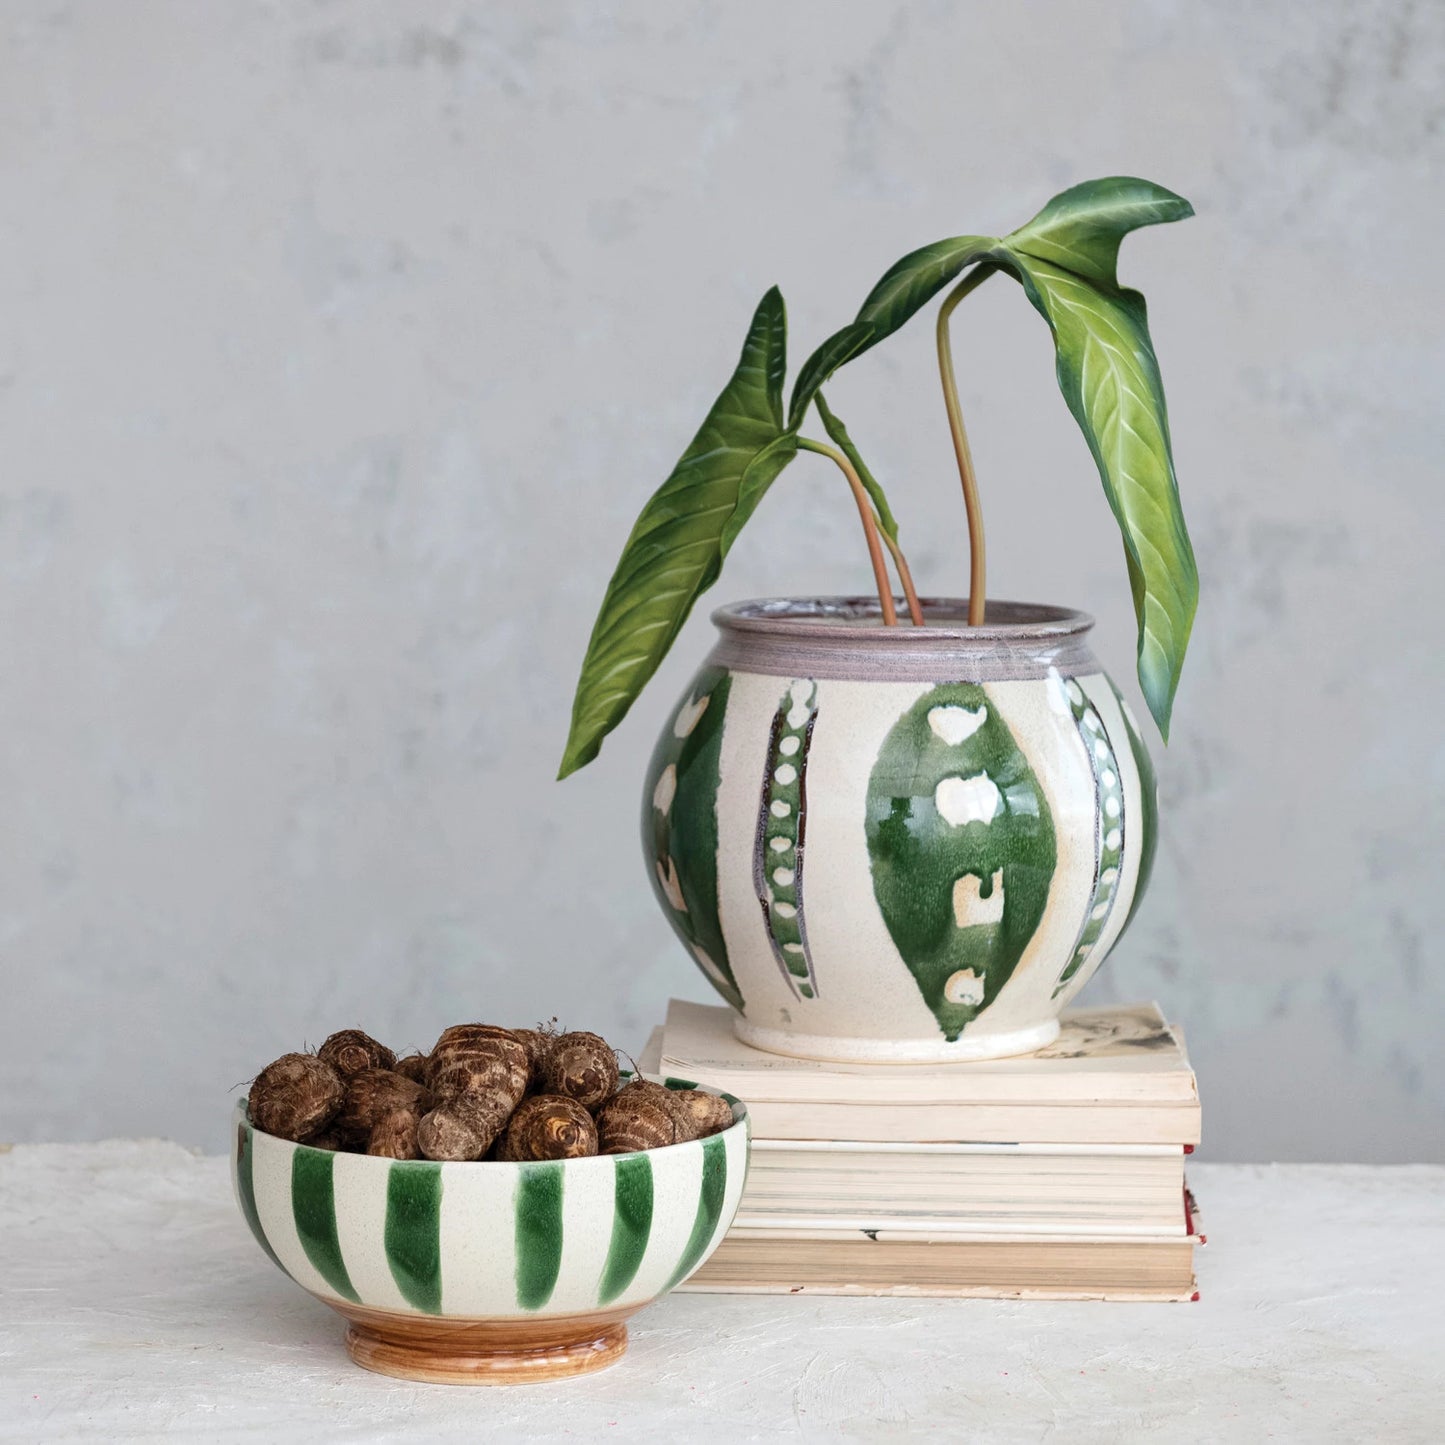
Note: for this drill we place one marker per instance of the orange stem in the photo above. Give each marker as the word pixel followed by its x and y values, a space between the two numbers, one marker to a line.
pixel 870 526
pixel 915 610
pixel 977 581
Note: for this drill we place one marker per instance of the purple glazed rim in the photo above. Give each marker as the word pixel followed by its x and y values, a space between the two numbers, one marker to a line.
pixel 841 637
pixel 859 617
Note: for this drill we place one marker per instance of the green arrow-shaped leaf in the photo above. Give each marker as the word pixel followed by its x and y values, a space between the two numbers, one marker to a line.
pixel 904 288
pixel 677 546
pixel 1081 228
pixel 1067 258
pixel 1110 379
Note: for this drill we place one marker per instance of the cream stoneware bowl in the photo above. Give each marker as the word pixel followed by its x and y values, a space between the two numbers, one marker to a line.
pixel 482 1273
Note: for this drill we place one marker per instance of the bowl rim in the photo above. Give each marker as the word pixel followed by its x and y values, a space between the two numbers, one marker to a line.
pixel 740 1121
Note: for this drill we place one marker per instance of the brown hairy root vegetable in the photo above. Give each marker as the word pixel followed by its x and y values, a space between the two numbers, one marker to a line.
pixel 328 1138
pixel 461 1037
pixel 581 1066
pixel 413 1067
pixel 548 1126
pixel 500 1079
pixel 477 1075
pixel 709 1114
pixel 297 1095
pixel 456 1131
pixel 643 1115
pixel 479 1059
pixel 538 1044
pixel 664 1098
pixel 374 1093
pixel 351 1051
pixel 393 1136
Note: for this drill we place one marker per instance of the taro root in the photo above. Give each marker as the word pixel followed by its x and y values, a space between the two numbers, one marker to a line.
pixel 450 1132
pixel 470 1057
pixel 297 1095
pixel 373 1093
pixel 328 1138
pixel 709 1114
pixel 351 1051
pixel 477 1074
pixel 581 1066
pixel 461 1037
pixel 394 1135
pixel 643 1115
pixel 664 1098
pixel 538 1044
pixel 548 1126
pixel 413 1067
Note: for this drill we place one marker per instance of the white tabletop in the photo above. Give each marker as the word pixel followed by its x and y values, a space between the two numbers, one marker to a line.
pixel 137 1307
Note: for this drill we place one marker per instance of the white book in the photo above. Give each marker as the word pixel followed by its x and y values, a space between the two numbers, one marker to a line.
pixel 1041 1188
pixel 1086 1265
pixel 1114 1075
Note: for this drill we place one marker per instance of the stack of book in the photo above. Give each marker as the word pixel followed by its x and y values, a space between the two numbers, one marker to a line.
pixel 1056 1175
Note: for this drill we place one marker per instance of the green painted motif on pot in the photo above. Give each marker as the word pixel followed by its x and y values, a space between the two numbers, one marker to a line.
pixel 709 1206
pixel 781 838
pixel 1109 827
pixel 539 1233
pixel 961 843
pixel 679 826
pixel 632 1189
pixel 412 1236
pixel 246 1188
pixel 313 1206
pixel 1146 830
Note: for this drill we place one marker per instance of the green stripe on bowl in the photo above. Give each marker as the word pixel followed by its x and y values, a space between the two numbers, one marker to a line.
pixel 631 1225
pixel 539 1233
pixel 709 1206
pixel 313 1206
pixel 246 1189
pixel 413 1233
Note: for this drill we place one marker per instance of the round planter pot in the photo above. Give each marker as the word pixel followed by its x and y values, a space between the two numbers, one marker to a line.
pixel 898 843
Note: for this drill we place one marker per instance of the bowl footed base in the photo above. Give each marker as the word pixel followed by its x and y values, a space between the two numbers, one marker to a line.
pixel 451 1351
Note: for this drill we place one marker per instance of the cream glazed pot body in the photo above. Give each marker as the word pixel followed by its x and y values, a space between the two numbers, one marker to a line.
pixel 897 844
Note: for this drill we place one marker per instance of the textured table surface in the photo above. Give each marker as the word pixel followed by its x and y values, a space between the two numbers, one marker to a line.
pixel 136 1307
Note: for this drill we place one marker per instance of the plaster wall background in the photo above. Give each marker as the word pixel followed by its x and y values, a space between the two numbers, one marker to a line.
pixel 340 344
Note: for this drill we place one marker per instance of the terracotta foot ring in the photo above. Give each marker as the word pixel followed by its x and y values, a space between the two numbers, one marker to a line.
pixel 483 1352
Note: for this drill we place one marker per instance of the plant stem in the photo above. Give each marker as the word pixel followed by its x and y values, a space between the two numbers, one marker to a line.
pixel 905 576
pixel 977 581
pixel 870 527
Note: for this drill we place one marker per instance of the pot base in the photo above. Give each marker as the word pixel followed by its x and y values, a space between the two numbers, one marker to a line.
pixel 442 1351
pixel 843 1050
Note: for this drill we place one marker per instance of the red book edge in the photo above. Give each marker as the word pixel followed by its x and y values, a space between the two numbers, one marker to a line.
pixel 1190 1209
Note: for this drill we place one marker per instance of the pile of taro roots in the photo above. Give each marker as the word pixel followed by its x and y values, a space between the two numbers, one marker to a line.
pixel 481 1093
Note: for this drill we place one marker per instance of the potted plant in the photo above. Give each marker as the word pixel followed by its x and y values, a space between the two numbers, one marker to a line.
pixel 915 838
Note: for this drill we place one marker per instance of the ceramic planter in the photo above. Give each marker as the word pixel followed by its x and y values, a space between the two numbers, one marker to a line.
pixel 488 1272
pixel 899 843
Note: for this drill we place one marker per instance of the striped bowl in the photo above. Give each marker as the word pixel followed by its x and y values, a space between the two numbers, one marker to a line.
pixel 488 1272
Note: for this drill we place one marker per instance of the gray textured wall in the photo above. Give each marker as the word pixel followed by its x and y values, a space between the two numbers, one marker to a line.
pixel 339 344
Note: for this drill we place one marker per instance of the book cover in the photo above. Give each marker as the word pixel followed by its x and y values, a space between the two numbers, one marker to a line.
pixel 1115 1054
